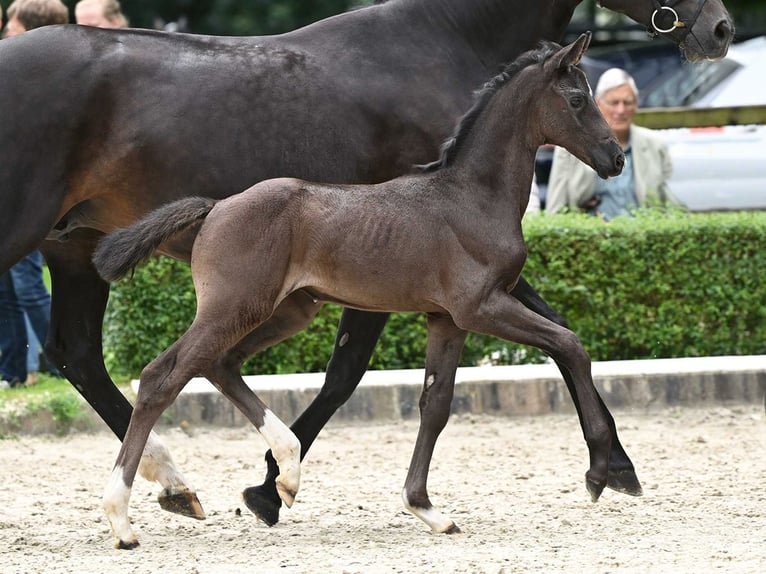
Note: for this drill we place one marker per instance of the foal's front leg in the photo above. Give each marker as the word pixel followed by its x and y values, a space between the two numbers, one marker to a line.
pixel 445 344
pixel 502 315
pixel 622 473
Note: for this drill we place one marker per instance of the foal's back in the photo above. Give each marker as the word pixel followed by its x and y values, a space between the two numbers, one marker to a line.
pixel 366 246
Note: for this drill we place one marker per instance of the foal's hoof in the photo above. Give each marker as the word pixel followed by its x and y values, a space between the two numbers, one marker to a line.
pixel 595 487
pixel 286 494
pixel 261 504
pixel 123 545
pixel 183 502
pixel 624 481
pixel 454 529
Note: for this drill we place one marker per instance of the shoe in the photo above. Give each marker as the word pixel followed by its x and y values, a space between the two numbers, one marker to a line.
pixel 5 385
pixel 32 379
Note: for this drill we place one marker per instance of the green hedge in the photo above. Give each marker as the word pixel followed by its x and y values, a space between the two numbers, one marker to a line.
pixel 152 309
pixel 656 285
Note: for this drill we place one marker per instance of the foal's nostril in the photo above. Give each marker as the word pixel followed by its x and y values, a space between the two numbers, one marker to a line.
pixel 619 161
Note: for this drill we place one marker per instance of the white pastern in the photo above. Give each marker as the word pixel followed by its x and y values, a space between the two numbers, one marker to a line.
pixel 157 466
pixel 286 449
pixel 116 500
pixel 435 519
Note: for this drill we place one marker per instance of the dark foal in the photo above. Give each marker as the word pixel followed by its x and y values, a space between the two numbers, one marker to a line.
pixel 115 123
pixel 447 242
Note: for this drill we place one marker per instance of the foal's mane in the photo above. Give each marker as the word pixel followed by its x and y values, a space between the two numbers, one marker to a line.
pixel 451 147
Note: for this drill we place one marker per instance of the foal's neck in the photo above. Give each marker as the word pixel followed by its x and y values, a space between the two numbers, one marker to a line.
pixel 497 156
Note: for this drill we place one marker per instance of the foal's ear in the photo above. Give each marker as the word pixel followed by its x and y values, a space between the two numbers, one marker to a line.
pixel 572 54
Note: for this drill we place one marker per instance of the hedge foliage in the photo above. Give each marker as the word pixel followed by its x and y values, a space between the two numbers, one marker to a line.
pixel 657 285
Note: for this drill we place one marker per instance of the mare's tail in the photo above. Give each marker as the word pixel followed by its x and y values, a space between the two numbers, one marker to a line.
pixel 121 251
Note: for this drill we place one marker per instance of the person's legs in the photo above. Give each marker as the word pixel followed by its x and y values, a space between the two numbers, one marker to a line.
pixel 32 295
pixel 13 334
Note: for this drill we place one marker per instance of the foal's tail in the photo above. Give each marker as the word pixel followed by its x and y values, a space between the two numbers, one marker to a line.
pixel 121 251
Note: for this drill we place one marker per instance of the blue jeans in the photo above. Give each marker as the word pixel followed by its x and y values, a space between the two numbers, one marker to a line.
pixel 22 291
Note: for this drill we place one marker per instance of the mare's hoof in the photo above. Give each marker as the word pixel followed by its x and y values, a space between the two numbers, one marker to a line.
pixel 595 488
pixel 184 502
pixel 122 545
pixel 454 529
pixel 624 481
pixel 261 504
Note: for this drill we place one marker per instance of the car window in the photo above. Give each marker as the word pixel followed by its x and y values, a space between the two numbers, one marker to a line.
pixel 689 84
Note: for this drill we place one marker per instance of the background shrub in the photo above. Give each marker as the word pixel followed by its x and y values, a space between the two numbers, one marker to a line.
pixel 657 285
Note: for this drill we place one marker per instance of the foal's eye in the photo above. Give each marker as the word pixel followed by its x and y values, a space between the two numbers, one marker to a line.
pixel 577 101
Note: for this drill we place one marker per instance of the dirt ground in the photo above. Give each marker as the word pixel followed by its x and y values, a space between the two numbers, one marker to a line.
pixel 514 485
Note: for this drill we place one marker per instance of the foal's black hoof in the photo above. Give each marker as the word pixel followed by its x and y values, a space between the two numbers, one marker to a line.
pixel 594 487
pixel 123 545
pixel 624 481
pixel 261 504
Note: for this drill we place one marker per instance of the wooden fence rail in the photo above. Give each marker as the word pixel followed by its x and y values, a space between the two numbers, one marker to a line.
pixel 662 118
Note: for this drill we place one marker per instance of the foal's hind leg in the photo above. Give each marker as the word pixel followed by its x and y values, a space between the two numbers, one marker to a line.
pixel 211 333
pixel 294 314
pixel 358 332
pixel 161 381
pixel 445 344
pixel 283 443
pixel 74 346
pixel 622 474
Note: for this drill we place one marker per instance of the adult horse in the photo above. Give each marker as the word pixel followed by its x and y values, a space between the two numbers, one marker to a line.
pixel 104 125
pixel 287 238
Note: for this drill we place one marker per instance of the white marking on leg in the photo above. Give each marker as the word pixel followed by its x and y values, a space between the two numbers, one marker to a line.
pixel 157 466
pixel 116 500
pixel 343 339
pixel 438 522
pixel 286 449
pixel 430 380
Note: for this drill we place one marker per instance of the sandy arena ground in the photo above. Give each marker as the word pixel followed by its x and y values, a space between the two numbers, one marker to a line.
pixel 514 485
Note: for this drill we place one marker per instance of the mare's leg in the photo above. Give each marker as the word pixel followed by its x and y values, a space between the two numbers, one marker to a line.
pixel 504 316
pixel 358 331
pixel 74 346
pixel 622 474
pixel 445 344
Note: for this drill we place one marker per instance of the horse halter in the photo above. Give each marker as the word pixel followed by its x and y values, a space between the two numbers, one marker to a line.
pixel 665 19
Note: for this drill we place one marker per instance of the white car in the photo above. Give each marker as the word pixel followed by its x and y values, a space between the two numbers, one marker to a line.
pixel 737 80
pixel 718 169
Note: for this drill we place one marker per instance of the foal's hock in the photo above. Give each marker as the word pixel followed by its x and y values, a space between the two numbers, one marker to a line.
pixel 446 242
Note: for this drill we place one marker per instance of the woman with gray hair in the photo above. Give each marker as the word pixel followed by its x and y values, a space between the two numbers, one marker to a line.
pixel 644 179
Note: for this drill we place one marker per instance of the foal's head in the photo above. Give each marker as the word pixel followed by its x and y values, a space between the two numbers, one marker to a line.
pixel 541 97
pixel 565 113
